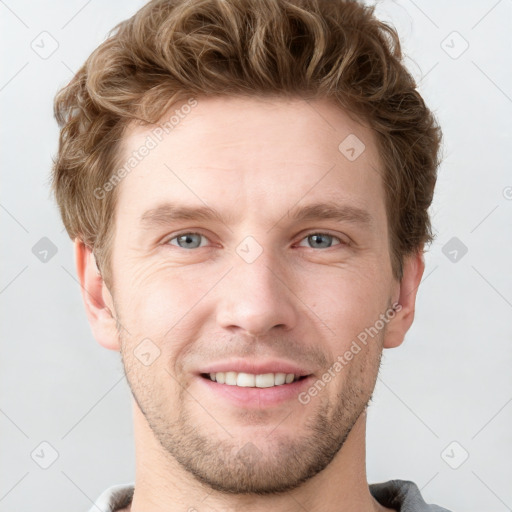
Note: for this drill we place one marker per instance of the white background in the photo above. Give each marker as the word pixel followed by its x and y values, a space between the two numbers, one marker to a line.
pixel 450 381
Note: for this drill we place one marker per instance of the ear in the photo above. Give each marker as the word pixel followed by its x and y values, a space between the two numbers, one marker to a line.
pixel 414 265
pixel 97 298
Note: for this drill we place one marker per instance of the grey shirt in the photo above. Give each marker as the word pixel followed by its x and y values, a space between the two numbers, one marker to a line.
pixel 401 495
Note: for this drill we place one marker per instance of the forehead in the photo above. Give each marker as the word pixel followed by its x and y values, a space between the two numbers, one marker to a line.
pixel 261 156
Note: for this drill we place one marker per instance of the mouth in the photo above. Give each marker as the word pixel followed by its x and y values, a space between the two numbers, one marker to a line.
pixel 254 391
pixel 251 380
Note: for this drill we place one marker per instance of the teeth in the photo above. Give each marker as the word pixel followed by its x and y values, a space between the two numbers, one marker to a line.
pixel 249 380
pixel 245 380
pixel 231 378
pixel 280 378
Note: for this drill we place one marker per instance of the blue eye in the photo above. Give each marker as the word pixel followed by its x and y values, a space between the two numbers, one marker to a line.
pixel 321 240
pixel 189 240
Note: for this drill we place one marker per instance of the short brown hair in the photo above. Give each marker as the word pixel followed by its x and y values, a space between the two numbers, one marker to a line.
pixel 171 50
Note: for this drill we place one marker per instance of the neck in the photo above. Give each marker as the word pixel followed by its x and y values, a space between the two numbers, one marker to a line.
pixel 161 483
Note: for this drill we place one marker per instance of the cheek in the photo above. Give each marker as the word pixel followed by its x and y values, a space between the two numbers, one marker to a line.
pixel 159 299
pixel 345 299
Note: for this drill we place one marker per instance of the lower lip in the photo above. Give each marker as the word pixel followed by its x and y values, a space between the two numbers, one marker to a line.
pixel 257 397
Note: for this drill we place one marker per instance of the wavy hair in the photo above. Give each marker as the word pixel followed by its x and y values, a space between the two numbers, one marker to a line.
pixel 171 50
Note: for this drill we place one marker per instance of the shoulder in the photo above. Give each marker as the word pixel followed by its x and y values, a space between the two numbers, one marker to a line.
pixel 403 495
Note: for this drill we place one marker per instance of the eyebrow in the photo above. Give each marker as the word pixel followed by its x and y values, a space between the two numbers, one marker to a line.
pixel 167 213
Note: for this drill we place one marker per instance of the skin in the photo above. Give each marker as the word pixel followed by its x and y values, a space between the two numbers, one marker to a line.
pixel 305 302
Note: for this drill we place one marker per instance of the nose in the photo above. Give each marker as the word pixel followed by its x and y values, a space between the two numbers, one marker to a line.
pixel 258 297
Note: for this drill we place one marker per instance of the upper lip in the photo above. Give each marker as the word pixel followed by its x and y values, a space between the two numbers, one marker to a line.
pixel 256 367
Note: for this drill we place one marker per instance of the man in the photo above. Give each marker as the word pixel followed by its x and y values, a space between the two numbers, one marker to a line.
pixel 247 184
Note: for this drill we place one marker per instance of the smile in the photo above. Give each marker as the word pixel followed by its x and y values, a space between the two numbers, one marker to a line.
pixel 250 380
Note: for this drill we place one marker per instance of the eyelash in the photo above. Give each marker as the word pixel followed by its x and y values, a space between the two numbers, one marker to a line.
pixel 342 242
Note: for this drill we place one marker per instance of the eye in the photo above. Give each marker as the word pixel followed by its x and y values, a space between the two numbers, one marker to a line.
pixel 187 240
pixel 191 240
pixel 322 240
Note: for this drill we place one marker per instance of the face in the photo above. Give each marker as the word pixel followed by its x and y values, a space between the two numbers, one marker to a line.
pixel 270 284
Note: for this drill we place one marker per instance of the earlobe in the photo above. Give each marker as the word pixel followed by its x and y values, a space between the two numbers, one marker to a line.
pixel 414 266
pixel 97 298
